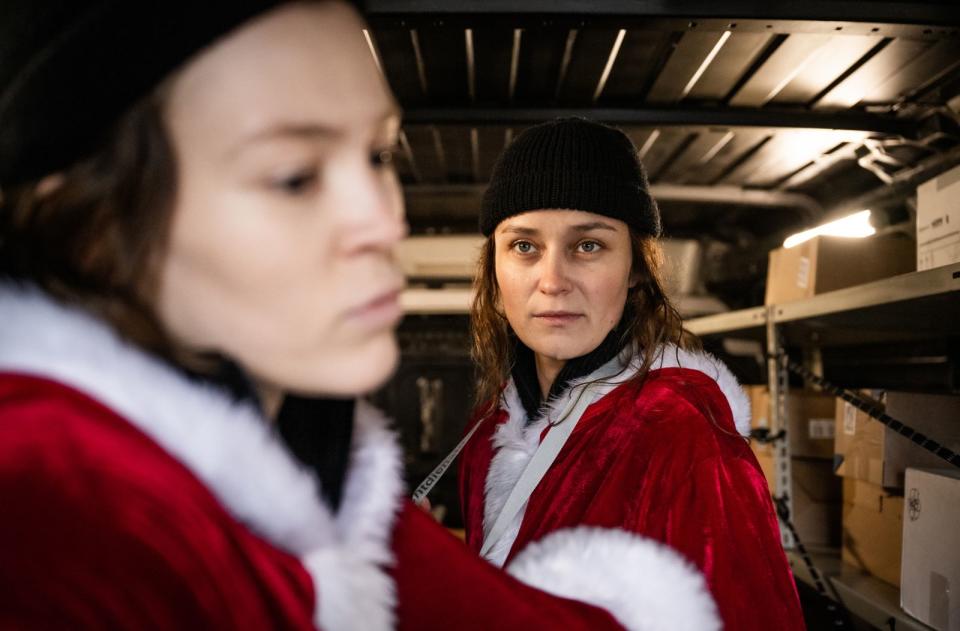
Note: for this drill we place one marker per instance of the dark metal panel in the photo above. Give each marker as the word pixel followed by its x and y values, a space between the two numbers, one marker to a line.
pixel 457 149
pixel 641 56
pixel 541 57
pixel 686 65
pixel 778 70
pixel 874 72
pixel 919 12
pixel 671 116
pixel 737 54
pixel 590 53
pixel 406 169
pixel 661 147
pixel 822 164
pixel 939 59
pixel 830 61
pixel 638 135
pixel 445 58
pixel 492 48
pixel 700 151
pixel 423 146
pixel 399 64
pixel 786 152
pixel 743 142
pixel 492 143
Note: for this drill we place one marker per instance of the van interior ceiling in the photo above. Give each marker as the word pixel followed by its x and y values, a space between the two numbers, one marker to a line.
pixel 751 127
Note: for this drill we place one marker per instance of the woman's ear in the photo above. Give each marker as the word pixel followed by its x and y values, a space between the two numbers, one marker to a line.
pixel 635 278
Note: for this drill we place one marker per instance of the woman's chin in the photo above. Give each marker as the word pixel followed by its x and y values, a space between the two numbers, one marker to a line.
pixel 345 374
pixel 360 372
pixel 561 350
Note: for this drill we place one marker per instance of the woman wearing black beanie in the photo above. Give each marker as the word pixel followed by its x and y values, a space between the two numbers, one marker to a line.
pixel 596 407
pixel 198 217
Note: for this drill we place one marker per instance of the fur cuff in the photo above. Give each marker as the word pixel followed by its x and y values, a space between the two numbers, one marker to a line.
pixel 644 584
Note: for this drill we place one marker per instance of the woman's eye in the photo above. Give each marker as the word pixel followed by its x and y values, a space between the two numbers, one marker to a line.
pixel 383 157
pixel 297 183
pixel 589 247
pixel 523 247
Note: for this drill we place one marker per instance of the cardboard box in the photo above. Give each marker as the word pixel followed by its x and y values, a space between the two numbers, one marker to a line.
pixel 811 424
pixel 824 264
pixel 872 529
pixel 858 445
pixel 938 221
pixel 810 416
pixel 764 454
pixel 817 505
pixel 759 406
pixel 930 574
pixel 759 412
pixel 937 416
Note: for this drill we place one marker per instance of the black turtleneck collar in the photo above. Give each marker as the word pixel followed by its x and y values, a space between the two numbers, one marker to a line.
pixel 525 370
pixel 317 431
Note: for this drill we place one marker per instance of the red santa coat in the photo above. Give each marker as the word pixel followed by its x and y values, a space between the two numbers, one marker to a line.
pixel 666 461
pixel 135 498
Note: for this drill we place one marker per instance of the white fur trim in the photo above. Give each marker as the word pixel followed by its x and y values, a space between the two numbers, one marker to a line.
pixel 673 357
pixel 644 584
pixel 232 450
pixel 515 441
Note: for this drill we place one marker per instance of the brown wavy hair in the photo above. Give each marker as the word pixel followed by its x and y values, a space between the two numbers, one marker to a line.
pixel 652 319
pixel 92 234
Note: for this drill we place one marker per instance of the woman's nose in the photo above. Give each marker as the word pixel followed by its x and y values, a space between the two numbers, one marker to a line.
pixel 373 216
pixel 554 274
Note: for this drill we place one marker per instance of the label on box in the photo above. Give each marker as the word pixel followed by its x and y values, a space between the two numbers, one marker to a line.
pixel 803 272
pixel 821 428
pixel 849 419
pixel 938 221
pixel 939 253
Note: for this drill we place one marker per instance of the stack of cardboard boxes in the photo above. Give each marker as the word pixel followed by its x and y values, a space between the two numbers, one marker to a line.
pixel 887 503
pixel 901 510
pixel 872 516
pixel 900 505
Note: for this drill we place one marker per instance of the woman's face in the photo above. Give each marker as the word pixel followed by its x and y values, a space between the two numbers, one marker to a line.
pixel 563 277
pixel 287 210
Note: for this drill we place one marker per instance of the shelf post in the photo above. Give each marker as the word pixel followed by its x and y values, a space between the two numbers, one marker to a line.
pixel 777 381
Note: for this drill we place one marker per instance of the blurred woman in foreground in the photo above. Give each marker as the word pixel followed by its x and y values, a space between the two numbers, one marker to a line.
pixel 198 217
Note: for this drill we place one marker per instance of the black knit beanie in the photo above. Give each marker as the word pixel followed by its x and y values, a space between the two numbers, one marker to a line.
pixel 571 163
pixel 69 70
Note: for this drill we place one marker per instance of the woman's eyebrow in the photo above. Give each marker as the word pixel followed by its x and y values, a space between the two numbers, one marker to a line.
pixel 521 230
pixel 593 225
pixel 291 130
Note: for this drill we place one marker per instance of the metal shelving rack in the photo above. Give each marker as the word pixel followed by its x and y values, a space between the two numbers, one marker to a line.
pixel 865 596
pixel 916 306
pixel 926 304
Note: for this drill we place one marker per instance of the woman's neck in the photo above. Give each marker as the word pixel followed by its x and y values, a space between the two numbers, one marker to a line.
pixel 547 370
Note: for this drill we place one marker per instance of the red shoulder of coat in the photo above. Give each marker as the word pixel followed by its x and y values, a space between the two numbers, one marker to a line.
pixel 111 530
pixel 681 408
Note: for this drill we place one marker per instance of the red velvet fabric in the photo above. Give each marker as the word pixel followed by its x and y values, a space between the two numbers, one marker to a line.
pixel 443 585
pixel 665 462
pixel 102 529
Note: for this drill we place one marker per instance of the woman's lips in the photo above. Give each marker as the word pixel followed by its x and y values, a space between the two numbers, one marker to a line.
pixel 382 311
pixel 557 318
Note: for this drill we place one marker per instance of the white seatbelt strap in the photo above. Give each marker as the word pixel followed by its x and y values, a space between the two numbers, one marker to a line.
pixel 431 480
pixel 545 455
